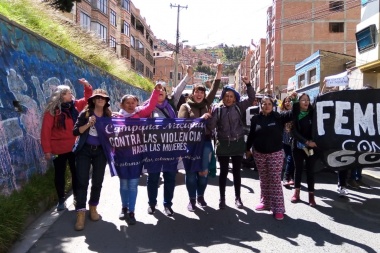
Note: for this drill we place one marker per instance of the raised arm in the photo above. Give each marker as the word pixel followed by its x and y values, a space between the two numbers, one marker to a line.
pixel 215 85
pixel 251 95
pixel 81 103
pixel 188 79
pixel 148 109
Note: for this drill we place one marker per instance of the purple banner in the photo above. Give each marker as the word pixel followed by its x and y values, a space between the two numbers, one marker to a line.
pixel 157 144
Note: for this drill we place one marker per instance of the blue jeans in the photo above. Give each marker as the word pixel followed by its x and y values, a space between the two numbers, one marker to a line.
pixel 289 163
pixel 196 184
pixel 128 193
pixel 169 185
pixel 86 157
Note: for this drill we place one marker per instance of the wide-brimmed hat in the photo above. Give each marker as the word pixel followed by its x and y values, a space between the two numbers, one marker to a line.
pixel 99 93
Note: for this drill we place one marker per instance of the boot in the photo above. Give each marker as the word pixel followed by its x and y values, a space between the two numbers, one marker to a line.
pixel 296 196
pixel 311 199
pixel 94 214
pixel 79 225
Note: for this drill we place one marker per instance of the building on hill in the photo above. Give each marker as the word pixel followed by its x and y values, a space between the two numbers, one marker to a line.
pixel 119 24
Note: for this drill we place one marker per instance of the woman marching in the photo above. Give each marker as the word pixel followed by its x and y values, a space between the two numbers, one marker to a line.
pixel 165 110
pixel 303 147
pixel 288 178
pixel 198 105
pixel 266 134
pixel 90 152
pixel 57 137
pixel 128 186
pixel 228 121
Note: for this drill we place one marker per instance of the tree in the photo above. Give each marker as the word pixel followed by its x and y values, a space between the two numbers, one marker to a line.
pixel 63 5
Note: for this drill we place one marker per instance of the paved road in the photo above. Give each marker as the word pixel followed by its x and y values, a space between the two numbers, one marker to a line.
pixel 350 224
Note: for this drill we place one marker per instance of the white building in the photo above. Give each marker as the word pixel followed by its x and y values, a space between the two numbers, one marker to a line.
pixel 367 49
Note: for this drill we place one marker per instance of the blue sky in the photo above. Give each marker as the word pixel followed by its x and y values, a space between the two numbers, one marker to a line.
pixel 207 22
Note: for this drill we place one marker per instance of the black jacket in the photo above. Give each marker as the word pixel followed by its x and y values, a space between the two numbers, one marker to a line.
pixel 266 131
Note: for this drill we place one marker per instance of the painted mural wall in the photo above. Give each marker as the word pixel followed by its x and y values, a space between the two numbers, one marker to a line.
pixel 30 69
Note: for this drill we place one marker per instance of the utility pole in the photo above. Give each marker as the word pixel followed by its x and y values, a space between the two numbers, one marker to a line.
pixel 176 45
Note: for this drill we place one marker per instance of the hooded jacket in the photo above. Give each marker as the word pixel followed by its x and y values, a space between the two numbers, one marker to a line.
pixel 230 125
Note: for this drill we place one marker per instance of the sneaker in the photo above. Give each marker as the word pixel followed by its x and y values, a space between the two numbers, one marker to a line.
pixel 262 207
pixel 61 206
pixel 201 201
pixel 123 213
pixel 151 209
pixel 279 216
pixel 222 204
pixel 342 191
pixel 238 203
pixel 168 211
pixel 130 218
pixel 361 183
pixel 353 184
pixel 191 206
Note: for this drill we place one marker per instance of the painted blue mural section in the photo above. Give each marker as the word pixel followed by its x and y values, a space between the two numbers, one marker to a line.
pixel 30 69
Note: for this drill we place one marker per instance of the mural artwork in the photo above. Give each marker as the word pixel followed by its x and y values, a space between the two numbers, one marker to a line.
pixel 30 69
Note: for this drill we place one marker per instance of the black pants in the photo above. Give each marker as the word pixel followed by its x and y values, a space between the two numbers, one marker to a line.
pixel 236 164
pixel 301 162
pixel 60 164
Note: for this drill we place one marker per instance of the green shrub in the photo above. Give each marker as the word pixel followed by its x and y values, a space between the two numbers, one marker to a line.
pixel 36 196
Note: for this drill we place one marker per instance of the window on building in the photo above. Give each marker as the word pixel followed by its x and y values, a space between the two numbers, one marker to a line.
pixel 336 6
pixel 126 5
pixel 133 62
pixel 113 43
pixel 133 42
pixel 171 75
pixel 147 71
pixel 133 21
pixel 125 28
pixel 102 5
pixel 113 17
pixel 85 21
pixel 366 38
pixel 336 27
pixel 271 73
pixel 125 52
pixel 301 81
pixel 179 76
pixel 312 76
pixel 140 47
pixel 100 30
pixel 140 67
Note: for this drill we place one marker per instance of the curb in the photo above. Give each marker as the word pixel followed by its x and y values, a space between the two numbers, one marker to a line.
pixel 37 228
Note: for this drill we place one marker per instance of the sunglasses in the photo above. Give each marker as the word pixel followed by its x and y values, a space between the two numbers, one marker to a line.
pixel 100 97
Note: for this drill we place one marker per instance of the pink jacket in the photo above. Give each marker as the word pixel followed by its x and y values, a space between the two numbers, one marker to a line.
pixel 144 111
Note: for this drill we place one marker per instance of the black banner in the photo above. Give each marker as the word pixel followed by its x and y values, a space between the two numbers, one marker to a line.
pixel 347 128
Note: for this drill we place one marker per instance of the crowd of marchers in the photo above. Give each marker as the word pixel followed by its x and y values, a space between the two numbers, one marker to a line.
pixel 276 140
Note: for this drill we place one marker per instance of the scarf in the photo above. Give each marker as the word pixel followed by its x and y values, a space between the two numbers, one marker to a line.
pixel 196 105
pixel 302 114
pixel 166 107
pixel 68 110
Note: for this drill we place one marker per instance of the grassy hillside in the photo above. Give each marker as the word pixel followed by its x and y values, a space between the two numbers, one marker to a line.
pixel 43 20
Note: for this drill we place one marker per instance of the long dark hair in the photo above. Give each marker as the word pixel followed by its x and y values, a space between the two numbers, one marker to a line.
pixel 89 109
